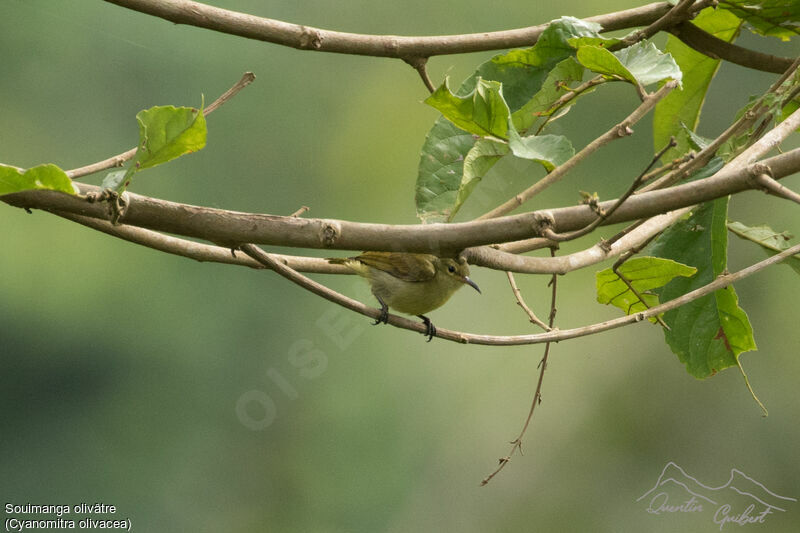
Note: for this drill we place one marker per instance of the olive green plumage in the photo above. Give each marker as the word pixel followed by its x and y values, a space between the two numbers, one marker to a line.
pixel 410 283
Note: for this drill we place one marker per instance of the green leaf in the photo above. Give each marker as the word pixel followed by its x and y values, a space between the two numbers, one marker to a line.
pixel 522 73
pixel 647 64
pixel 790 107
pixel 165 133
pixel 114 180
pixel 641 64
pixel 554 87
pixel 483 112
pixel 682 106
pixel 480 159
pixel 774 18
pixel 644 274
pixel 707 334
pixel 772 241
pixel 555 43
pixel 441 167
pixel 776 108
pixel 47 177
pixel 548 150
pixel 604 42
pixel 168 132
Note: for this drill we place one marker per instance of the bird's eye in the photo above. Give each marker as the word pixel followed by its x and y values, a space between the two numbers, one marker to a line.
pixel 451 269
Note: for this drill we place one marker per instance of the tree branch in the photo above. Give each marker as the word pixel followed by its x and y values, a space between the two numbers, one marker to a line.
pixel 200 251
pixel 271 262
pixel 489 257
pixel 309 38
pixel 716 48
pixel 231 228
pixel 620 130
pixel 773 187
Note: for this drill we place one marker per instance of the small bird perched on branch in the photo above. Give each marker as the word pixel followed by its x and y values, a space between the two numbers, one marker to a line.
pixel 410 283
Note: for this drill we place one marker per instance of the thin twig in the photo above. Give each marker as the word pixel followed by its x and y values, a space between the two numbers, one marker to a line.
pixel 675 163
pixel 300 211
pixel 516 444
pixel 119 159
pixel 623 129
pixel 569 96
pixel 292 275
pixel 602 215
pixel 420 65
pixel 615 268
pixel 744 122
pixel 678 14
pixel 521 302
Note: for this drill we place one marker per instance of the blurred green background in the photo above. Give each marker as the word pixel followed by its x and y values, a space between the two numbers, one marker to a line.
pixel 200 397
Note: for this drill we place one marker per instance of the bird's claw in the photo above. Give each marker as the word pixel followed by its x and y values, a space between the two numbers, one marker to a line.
pixel 430 329
pixel 384 316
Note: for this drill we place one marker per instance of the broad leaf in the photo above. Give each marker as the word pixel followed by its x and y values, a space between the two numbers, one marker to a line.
pixel 483 112
pixel 707 334
pixel 776 108
pixel 775 18
pixel 114 180
pixel 554 87
pixel 168 132
pixel 682 106
pixel 644 274
pixel 558 41
pixel 480 159
pixel 772 241
pixel 48 177
pixel 165 133
pixel 641 64
pixel 522 73
pixel 548 150
pixel 441 167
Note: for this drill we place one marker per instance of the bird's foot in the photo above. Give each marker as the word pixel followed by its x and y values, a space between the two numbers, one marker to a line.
pixel 384 316
pixel 430 329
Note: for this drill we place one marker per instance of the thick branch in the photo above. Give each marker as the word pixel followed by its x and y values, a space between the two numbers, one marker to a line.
pixel 716 48
pixel 231 228
pixel 200 251
pixel 309 38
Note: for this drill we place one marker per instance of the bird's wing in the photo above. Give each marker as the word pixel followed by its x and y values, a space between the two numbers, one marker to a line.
pixel 405 266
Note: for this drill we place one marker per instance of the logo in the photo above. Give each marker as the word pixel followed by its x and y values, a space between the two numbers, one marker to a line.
pixel 741 500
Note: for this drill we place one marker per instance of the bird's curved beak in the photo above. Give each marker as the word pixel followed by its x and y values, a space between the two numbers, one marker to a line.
pixel 471 283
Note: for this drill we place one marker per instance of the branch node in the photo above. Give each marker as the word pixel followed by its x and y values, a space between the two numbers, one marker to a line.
pixel 543 220
pixel 310 39
pixel 330 232
pixel 623 130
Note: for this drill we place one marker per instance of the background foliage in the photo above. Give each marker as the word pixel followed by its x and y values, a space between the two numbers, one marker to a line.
pixel 122 367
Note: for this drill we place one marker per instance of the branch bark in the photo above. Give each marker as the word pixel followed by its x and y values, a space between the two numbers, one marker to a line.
pixel 512 340
pixel 716 48
pixel 402 47
pixel 231 228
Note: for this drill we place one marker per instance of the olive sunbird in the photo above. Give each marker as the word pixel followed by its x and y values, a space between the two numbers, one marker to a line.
pixel 410 283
